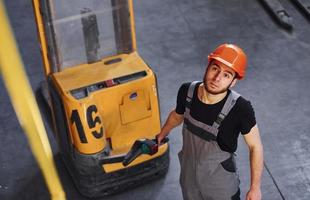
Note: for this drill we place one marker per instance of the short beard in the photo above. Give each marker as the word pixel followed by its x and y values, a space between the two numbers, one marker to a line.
pixel 216 92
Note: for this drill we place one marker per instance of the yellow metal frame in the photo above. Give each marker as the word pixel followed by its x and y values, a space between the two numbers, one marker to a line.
pixel 133 28
pixel 14 76
pixel 41 32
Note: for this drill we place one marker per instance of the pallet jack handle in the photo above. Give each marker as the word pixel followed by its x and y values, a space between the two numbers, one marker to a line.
pixel 142 146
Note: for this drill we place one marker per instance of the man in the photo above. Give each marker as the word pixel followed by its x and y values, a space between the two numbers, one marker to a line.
pixel 213 117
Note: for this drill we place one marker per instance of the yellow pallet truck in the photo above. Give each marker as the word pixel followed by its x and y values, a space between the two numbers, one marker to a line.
pixel 103 96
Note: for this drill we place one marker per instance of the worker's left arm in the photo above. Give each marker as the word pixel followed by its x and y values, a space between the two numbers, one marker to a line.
pixel 253 141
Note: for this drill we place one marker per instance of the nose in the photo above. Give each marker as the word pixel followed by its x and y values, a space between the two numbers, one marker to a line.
pixel 217 77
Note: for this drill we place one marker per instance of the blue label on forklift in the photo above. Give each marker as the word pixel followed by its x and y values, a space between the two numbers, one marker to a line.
pixel 133 96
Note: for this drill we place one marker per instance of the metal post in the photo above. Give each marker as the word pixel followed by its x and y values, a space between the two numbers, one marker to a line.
pixel 25 106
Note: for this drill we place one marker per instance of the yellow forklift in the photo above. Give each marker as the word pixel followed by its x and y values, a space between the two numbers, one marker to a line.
pixel 103 96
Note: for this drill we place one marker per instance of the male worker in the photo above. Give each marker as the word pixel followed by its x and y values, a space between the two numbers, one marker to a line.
pixel 213 116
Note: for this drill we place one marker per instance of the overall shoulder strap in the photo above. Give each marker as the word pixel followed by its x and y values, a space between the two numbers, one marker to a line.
pixel 190 92
pixel 229 104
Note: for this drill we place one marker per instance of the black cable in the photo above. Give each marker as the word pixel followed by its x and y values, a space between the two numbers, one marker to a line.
pixel 274 181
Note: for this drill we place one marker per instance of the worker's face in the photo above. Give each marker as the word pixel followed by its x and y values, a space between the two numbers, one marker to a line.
pixel 219 78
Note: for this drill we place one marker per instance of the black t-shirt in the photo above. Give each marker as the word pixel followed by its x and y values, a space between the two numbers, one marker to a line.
pixel 241 117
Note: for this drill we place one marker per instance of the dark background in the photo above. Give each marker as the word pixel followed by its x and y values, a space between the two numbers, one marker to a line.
pixel 174 37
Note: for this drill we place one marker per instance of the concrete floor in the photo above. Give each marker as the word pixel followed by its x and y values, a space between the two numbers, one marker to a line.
pixel 175 36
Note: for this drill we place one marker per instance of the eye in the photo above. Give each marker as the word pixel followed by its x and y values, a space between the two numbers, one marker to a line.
pixel 227 75
pixel 213 68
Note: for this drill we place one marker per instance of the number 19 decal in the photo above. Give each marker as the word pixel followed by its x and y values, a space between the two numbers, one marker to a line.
pixel 75 119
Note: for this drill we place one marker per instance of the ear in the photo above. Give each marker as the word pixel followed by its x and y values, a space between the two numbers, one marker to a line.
pixel 233 83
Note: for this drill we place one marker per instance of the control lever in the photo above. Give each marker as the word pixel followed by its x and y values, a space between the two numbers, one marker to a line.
pixel 142 146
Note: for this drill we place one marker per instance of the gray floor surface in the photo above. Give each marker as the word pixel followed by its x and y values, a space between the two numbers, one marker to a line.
pixel 174 37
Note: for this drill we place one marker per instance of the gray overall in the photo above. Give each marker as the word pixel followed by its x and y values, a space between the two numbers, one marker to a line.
pixel 207 172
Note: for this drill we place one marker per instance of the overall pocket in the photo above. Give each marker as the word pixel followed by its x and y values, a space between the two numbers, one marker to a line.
pixel 229 164
pixel 180 155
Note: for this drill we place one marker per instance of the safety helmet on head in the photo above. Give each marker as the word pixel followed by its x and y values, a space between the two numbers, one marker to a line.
pixel 232 56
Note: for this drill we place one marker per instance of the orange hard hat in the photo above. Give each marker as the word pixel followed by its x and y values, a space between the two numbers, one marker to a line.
pixel 232 56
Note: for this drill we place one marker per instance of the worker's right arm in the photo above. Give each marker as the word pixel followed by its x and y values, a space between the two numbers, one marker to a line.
pixel 174 119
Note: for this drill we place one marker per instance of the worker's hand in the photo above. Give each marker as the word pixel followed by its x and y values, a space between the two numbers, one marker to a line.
pixel 159 138
pixel 254 194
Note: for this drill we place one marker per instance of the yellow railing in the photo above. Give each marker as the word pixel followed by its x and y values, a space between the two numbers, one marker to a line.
pixel 25 106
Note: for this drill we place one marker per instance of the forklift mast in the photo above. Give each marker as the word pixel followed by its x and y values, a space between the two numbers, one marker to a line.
pixel 75 32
